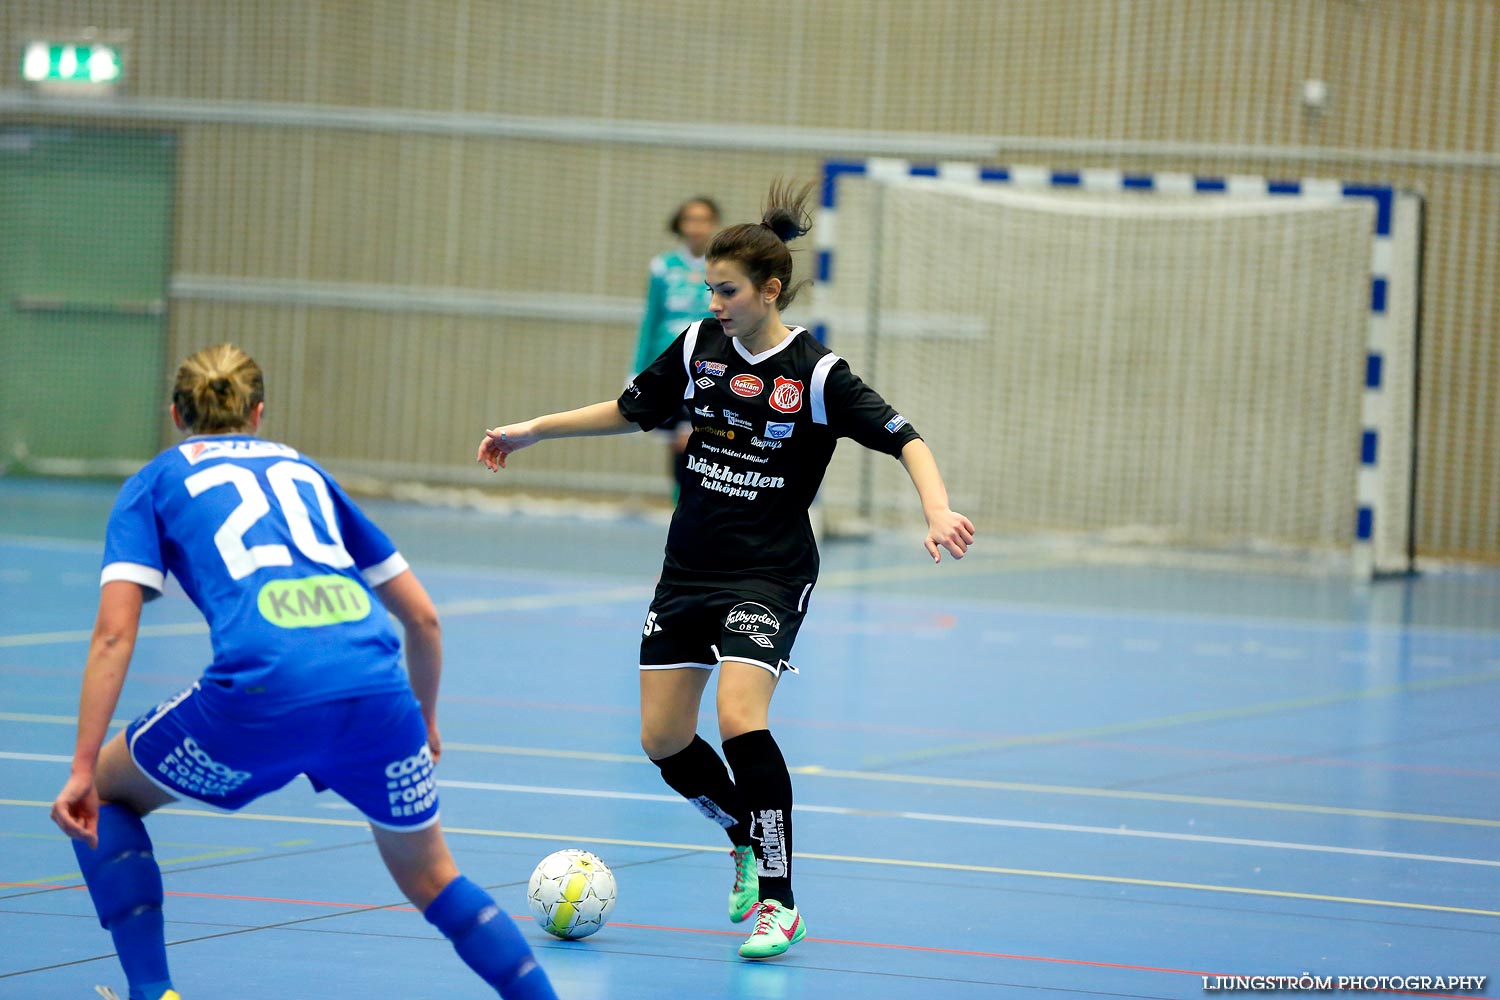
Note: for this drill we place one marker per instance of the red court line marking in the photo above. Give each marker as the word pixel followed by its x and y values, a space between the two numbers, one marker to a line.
pixel 885 946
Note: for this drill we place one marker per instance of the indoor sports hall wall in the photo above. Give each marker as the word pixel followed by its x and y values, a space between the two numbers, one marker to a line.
pixel 426 215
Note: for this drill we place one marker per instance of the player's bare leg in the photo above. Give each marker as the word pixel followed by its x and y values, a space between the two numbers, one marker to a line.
pixel 670 701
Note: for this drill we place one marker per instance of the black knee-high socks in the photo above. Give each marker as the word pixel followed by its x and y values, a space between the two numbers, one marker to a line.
pixel 765 786
pixel 698 775
pixel 755 808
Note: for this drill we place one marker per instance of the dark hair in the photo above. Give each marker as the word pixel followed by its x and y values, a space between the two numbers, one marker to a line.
pixel 761 247
pixel 675 224
pixel 217 388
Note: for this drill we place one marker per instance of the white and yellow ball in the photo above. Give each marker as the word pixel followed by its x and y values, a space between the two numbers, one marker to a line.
pixel 571 893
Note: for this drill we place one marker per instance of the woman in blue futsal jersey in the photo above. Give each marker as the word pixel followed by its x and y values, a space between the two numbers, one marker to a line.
pixel 306 677
pixel 769 404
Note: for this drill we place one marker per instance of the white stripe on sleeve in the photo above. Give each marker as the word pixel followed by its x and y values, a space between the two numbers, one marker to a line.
pixel 147 576
pixel 385 572
pixel 819 377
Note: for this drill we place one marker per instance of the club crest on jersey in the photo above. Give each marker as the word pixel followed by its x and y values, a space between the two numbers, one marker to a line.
pixel 756 621
pixel 746 385
pixel 710 368
pixel 705 383
pixel 786 395
pixel 777 432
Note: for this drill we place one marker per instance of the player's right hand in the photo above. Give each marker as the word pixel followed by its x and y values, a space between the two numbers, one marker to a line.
pixel 499 442
pixel 76 810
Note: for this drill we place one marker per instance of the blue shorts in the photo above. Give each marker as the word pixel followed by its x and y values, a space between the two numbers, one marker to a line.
pixel 372 750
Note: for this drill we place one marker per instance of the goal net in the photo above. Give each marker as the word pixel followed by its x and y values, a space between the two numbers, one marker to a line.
pixel 1133 366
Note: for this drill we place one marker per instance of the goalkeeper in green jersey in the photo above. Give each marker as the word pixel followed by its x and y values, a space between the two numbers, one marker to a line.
pixel 676 297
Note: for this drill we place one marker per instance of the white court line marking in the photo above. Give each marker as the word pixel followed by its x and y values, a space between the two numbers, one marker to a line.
pixel 996 636
pixel 479 606
pixel 1284 653
pixel 1213 649
pixel 51 758
pixel 1016 824
pixel 1427 662
pixel 1071 641
pixel 936 781
pixel 1141 645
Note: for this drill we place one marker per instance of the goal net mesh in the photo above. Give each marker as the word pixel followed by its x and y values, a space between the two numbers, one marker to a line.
pixel 1179 370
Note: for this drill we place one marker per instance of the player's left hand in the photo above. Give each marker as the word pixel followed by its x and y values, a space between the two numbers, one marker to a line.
pixel 952 531
pixel 434 741
pixel 76 810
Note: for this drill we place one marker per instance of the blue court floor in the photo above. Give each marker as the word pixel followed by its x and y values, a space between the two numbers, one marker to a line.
pixel 1016 776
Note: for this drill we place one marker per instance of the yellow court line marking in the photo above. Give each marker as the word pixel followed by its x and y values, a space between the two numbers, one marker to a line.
pixel 1182 719
pixel 227 852
pixel 845 859
pixel 937 781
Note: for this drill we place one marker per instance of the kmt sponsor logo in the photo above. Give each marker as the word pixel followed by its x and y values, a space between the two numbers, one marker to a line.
pixel 709 367
pixel 786 395
pixel 778 432
pixel 746 385
pixel 735 420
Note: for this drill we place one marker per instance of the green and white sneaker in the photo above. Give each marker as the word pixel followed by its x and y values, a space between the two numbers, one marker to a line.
pixel 777 928
pixel 746 891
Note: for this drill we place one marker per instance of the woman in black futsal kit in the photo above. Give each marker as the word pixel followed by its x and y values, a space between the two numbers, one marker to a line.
pixel 769 404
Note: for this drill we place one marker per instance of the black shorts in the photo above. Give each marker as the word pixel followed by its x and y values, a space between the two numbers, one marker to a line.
pixel 695 627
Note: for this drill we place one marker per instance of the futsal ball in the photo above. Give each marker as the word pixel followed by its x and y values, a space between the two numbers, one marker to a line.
pixel 571 894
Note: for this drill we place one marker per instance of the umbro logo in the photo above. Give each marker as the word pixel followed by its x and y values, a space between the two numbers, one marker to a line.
pixel 705 383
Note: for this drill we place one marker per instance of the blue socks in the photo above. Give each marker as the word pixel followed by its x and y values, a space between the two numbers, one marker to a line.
pixel 488 941
pixel 125 885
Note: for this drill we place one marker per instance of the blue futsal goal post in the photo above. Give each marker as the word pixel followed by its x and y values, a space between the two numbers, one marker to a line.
pixel 1196 364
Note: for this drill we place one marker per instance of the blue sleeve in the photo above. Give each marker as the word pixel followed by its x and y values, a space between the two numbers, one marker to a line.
pixel 651 321
pixel 373 552
pixel 133 542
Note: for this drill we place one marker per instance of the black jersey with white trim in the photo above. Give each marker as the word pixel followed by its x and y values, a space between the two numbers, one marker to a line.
pixel 764 430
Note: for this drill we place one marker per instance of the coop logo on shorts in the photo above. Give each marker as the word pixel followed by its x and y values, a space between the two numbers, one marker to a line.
pixel 777 432
pixel 786 395
pixel 189 768
pixel 410 788
pixel 756 621
pixel 895 423
pixel 748 386
pixel 710 368
pixel 735 420
pixel 705 383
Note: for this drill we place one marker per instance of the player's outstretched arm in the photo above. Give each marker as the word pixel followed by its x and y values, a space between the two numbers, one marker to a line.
pixel 76 809
pixel 586 421
pixel 945 527
pixel 406 598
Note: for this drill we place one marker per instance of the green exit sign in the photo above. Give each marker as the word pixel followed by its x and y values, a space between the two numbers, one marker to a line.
pixel 95 64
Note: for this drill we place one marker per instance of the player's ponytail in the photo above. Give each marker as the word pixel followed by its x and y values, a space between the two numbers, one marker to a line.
pixel 217 389
pixel 761 248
